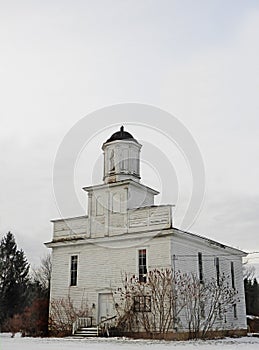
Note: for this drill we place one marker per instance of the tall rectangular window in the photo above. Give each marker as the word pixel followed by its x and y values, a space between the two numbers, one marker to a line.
pixel 202 309
pixel 232 275
pixel 220 311
pixel 142 265
pixel 200 267
pixel 73 271
pixel 235 310
pixel 217 270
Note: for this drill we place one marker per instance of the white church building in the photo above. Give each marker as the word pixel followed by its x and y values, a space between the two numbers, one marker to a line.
pixel 125 232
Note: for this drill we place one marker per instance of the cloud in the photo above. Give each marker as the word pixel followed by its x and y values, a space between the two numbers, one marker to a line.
pixel 198 60
pixel 231 219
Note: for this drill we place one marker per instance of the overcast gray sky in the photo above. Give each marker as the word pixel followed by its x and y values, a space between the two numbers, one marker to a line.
pixel 198 60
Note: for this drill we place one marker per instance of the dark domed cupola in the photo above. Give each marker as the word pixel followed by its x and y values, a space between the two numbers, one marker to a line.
pixel 121 157
pixel 121 135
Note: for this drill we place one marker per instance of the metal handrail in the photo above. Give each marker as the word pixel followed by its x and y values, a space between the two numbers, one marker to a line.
pixel 106 324
pixel 107 319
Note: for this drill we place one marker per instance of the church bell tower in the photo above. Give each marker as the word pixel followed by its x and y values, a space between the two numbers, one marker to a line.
pixel 121 157
pixel 109 202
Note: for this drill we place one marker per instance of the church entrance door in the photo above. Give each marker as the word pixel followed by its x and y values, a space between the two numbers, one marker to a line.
pixel 106 308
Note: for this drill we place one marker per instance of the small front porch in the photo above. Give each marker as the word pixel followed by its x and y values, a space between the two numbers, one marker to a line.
pixel 85 327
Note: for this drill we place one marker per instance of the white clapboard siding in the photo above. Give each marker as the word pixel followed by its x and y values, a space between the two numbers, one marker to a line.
pixel 101 268
pixel 185 258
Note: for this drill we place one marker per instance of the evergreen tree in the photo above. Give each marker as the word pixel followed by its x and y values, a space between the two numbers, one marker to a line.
pixel 255 297
pixel 14 278
pixel 252 296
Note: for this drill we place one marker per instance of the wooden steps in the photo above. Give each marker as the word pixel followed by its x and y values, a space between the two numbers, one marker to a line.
pixel 86 332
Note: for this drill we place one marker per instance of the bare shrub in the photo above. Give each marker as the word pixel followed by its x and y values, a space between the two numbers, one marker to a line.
pixel 206 304
pixel 62 315
pixel 13 325
pixel 152 306
pixel 35 318
pixel 170 301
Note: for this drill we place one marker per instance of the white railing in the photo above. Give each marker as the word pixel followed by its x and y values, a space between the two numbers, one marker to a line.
pixel 81 322
pixel 70 227
pixel 85 322
pixel 133 220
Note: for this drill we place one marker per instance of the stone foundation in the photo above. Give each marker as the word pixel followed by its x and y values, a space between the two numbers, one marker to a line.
pixel 186 335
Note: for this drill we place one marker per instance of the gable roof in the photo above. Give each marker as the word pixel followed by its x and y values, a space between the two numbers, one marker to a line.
pixel 210 242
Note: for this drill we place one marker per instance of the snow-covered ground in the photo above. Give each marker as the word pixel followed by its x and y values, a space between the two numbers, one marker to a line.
pixel 8 343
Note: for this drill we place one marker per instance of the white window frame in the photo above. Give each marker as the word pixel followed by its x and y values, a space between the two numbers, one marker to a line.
pixel 137 261
pixel 70 269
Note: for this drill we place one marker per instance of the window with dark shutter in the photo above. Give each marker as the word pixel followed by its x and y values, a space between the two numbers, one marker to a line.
pixel 73 272
pixel 232 275
pixel 200 267
pixel 142 265
pixel 217 270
